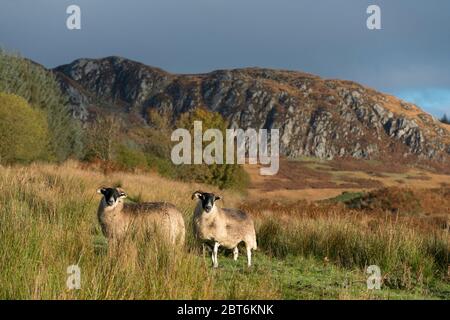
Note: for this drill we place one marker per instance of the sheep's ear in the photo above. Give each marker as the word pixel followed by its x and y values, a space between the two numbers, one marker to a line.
pixel 217 198
pixel 197 194
pixel 122 195
pixel 101 190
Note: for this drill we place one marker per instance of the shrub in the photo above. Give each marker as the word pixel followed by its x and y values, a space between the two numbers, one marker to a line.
pixel 163 166
pixel 129 158
pixel 393 199
pixel 23 131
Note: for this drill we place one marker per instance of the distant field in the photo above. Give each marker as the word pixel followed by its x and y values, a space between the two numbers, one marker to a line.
pixel 312 179
pixel 306 250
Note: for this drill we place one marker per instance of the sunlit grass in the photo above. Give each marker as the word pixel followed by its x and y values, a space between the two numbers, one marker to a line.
pixel 48 222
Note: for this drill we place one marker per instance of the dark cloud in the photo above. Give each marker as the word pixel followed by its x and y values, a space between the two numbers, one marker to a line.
pixel 325 37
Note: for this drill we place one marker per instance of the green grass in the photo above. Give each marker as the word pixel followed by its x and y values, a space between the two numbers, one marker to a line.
pixel 296 277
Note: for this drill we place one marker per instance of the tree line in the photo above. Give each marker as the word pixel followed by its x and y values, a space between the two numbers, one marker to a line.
pixel 36 125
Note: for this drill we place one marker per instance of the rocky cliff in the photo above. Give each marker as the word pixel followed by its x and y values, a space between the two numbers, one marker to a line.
pixel 316 117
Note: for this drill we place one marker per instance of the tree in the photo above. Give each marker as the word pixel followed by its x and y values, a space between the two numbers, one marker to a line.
pixel 23 131
pixel 445 119
pixel 157 137
pixel 103 135
pixel 40 89
pixel 222 175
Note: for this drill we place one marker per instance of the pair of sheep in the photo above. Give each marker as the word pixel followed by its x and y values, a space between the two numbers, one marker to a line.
pixel 215 226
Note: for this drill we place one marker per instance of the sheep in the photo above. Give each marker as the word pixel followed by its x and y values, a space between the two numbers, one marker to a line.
pixel 222 227
pixel 117 218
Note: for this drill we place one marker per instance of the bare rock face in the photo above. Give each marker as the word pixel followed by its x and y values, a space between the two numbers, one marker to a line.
pixel 316 117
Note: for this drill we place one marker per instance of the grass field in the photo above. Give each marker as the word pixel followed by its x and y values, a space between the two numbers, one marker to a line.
pixel 314 179
pixel 306 250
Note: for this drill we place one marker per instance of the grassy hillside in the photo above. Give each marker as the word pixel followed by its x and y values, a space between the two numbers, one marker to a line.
pixel 306 250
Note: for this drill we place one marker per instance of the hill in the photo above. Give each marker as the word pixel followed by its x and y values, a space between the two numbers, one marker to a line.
pixel 316 117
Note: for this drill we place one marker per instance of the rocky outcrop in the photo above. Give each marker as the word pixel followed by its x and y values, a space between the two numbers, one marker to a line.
pixel 316 117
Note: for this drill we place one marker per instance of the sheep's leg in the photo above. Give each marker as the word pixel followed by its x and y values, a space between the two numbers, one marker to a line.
pixel 214 255
pixel 249 256
pixel 213 258
pixel 235 253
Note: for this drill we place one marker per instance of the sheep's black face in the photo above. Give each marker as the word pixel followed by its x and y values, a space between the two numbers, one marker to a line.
pixel 111 195
pixel 207 200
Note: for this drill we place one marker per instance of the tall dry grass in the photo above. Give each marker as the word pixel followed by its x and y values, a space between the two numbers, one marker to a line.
pixel 408 255
pixel 48 221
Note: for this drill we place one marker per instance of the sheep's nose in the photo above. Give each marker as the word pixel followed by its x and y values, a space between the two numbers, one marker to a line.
pixel 110 202
pixel 208 208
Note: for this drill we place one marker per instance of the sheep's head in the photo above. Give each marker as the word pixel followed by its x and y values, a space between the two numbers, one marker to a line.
pixel 112 195
pixel 207 199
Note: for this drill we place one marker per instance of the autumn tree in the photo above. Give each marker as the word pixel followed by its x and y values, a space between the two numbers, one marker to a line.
pixel 23 131
pixel 103 135
pixel 221 175
pixel 40 89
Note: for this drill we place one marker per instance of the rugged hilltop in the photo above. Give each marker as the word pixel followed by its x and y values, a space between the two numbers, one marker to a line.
pixel 316 117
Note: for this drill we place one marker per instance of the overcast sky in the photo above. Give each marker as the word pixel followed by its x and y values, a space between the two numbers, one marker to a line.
pixel 409 57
